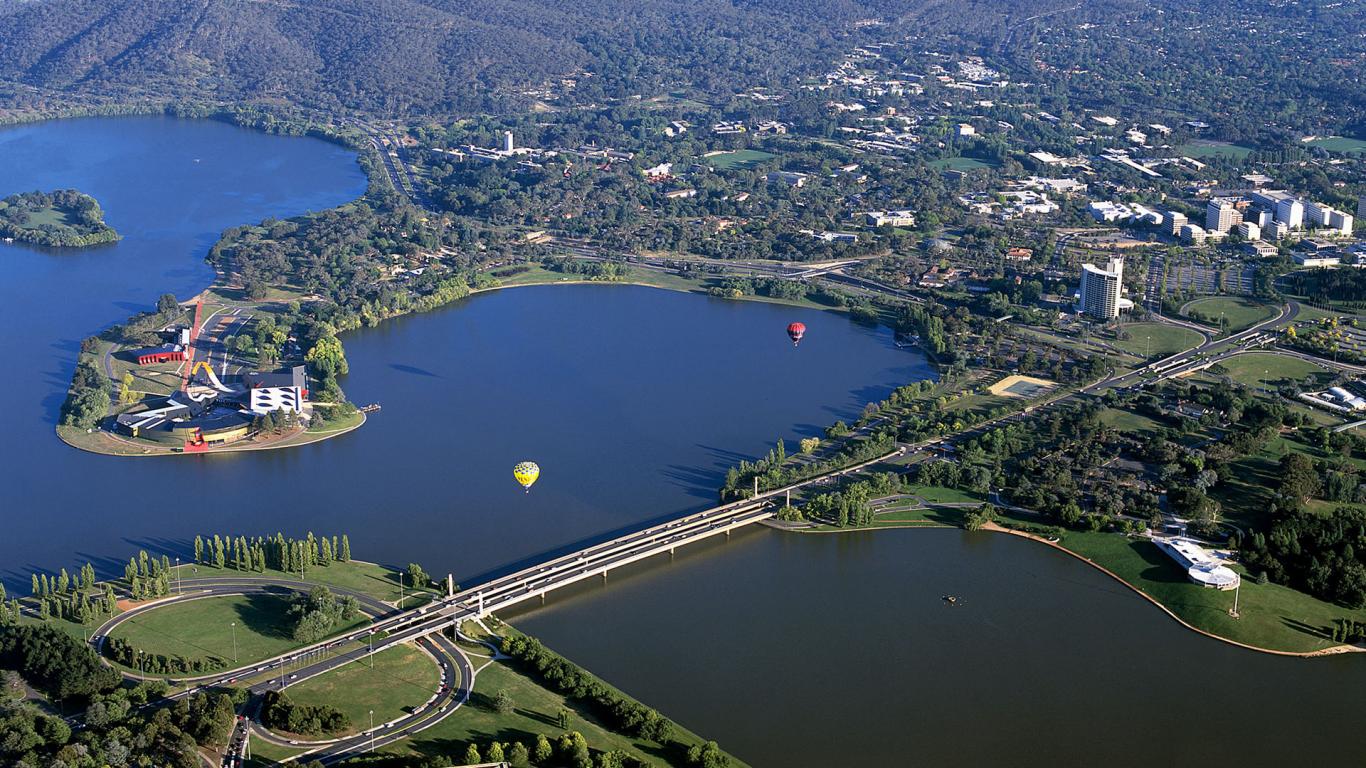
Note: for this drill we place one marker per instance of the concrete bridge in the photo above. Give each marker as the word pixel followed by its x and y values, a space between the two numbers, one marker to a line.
pixel 592 562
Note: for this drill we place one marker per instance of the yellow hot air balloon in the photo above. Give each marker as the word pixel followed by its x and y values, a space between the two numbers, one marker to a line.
pixel 526 473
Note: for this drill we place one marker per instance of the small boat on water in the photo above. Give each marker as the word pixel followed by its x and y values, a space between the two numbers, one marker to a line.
pixel 951 599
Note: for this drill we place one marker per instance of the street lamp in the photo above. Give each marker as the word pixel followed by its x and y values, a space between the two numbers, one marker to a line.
pixel 372 730
pixel 234 641
pixel 371 654
pixel 178 589
pixel 1236 589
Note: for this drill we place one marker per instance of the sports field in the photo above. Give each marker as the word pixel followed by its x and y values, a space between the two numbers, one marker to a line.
pixel 1340 144
pixel 961 163
pixel 1240 311
pixel 1021 386
pixel 742 159
pixel 1199 149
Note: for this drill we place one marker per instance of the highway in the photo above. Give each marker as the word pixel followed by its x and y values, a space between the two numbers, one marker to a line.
pixel 280 672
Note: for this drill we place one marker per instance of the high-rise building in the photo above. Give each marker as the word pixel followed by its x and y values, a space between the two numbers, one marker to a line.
pixel 508 145
pixel 1340 222
pixel 1100 289
pixel 1290 211
pixel 1219 214
pixel 1250 231
pixel 1176 220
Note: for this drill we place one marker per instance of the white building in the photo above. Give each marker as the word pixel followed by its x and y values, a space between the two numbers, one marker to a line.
pixel 508 145
pixel 1315 260
pixel 659 171
pixel 1177 220
pixel 1099 296
pixel 1192 234
pixel 1220 214
pixel 1201 567
pixel 1342 222
pixel 903 218
pixel 1291 212
pixel 1249 231
pixel 789 178
pixel 966 130
pixel 285 390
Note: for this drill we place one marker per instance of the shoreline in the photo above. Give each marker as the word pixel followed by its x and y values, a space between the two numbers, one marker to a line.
pixel 1335 650
pixel 285 442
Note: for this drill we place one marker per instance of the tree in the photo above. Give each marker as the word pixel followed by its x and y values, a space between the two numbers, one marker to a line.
pixel 418 577
pixel 542 752
pixel 502 702
pixel 809 445
pixel 494 753
pixel 518 755
pixel 472 755
pixel 167 304
pixel 126 393
pixel 345 549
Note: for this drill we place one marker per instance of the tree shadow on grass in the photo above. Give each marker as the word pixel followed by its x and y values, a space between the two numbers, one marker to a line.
pixel 539 717
pixel 1309 629
pixel 267 613
pixel 1160 567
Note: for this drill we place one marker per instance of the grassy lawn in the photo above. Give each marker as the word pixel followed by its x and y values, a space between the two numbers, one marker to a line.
pixel 1272 616
pixel 1240 311
pixel 741 159
pixel 961 163
pixel 534 712
pixel 371 579
pixel 1128 421
pixel 403 678
pixel 1199 149
pixel 936 495
pixel 1157 340
pixel 263 753
pixel 1340 144
pixel 201 628
pixel 1246 496
pixel 982 404
pixel 1259 369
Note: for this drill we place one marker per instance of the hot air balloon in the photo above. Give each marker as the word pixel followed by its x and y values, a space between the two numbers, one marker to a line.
pixel 526 473
pixel 795 332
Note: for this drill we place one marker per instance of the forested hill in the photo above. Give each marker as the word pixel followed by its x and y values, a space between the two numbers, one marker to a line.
pixel 403 57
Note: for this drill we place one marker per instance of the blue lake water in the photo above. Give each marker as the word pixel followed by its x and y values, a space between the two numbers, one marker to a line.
pixel 634 401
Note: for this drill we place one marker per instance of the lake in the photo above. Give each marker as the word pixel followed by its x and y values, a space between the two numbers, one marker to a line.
pixel 633 400
pixel 792 650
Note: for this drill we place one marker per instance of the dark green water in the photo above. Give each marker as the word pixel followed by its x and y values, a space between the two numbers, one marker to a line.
pixel 792 651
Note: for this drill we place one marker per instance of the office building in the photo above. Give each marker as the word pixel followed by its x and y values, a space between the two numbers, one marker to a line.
pixel 1100 289
pixel 1177 220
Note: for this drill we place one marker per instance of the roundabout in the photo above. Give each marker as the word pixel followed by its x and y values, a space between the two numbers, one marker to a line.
pixel 322 668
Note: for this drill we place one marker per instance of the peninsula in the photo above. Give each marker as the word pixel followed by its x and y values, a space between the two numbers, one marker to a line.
pixel 64 218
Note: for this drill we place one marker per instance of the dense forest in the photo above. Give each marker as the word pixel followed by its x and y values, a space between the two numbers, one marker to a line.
pixel 1222 62
pixel 406 55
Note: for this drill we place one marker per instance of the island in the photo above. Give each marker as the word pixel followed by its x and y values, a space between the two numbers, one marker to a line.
pixel 65 218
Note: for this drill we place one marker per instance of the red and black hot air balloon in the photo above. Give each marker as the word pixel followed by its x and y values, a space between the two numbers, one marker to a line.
pixel 796 331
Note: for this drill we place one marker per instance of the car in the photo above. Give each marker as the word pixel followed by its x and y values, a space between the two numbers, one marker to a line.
pixel 291 677
pixel 292 741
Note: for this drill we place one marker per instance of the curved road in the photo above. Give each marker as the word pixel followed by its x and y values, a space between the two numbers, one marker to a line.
pixel 457 671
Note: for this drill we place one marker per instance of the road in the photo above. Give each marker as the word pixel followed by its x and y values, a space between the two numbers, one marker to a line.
pixel 280 672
